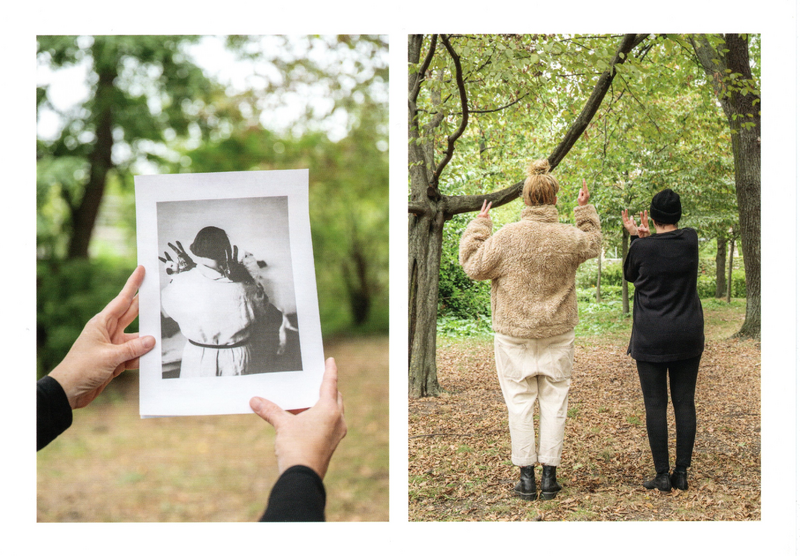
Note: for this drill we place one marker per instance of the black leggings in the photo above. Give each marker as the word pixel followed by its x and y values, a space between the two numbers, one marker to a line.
pixel 682 381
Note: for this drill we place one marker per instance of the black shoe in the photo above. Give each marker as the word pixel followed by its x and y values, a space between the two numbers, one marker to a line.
pixel 550 486
pixel 678 480
pixel 661 482
pixel 526 487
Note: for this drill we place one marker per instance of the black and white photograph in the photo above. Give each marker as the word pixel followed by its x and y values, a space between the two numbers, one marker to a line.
pixel 229 292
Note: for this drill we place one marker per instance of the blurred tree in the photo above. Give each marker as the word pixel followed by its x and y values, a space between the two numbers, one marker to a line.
pixel 143 92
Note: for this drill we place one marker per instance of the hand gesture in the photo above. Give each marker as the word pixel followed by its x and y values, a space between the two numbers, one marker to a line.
pixel 234 269
pixel 308 438
pixel 182 263
pixel 629 224
pixel 644 227
pixel 583 195
pixel 484 213
pixel 103 350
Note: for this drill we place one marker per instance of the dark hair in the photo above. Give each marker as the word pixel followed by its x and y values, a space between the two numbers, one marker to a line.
pixel 211 243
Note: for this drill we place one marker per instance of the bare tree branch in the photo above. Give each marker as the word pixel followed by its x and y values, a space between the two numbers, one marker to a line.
pixel 512 103
pixel 414 89
pixel 462 91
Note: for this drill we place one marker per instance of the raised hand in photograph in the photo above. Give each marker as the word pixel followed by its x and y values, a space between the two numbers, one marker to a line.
pixel 182 262
pixel 244 270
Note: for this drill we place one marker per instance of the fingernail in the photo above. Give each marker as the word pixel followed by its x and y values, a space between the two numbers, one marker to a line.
pixel 255 404
pixel 148 342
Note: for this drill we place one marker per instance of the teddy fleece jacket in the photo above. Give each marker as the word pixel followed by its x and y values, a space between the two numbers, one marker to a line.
pixel 532 265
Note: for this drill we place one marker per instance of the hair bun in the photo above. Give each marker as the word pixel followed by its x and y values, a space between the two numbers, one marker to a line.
pixel 537 167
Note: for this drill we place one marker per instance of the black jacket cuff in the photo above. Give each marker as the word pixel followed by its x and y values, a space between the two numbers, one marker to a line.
pixel 298 495
pixel 53 412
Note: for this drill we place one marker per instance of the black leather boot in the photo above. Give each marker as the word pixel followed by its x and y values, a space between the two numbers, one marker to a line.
pixel 679 480
pixel 526 487
pixel 660 481
pixel 550 486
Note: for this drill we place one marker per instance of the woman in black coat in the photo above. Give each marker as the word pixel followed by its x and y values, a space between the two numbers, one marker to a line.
pixel 667 338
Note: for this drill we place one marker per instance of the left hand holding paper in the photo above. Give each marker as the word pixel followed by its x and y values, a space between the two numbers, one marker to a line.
pixel 103 350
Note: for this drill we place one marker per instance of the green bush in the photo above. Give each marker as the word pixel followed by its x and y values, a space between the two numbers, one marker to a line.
pixel 586 276
pixel 459 296
pixel 607 293
pixel 707 285
pixel 69 293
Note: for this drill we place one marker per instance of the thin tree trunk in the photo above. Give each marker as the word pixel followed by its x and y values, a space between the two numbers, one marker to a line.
pixel 357 280
pixel 599 275
pixel 722 244
pixel 626 305
pixel 730 270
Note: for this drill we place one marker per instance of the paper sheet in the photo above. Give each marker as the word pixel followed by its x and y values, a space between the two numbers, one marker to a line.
pixel 229 292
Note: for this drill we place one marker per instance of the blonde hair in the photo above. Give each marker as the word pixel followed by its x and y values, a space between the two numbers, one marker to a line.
pixel 540 186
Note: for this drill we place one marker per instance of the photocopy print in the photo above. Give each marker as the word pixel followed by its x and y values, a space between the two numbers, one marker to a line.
pixel 227 295
pixel 227 258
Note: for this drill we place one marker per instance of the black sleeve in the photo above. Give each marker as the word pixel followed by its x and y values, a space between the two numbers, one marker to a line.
pixel 298 495
pixel 53 413
pixel 629 270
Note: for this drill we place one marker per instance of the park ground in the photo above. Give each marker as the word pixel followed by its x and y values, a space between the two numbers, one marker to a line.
pixel 459 447
pixel 112 466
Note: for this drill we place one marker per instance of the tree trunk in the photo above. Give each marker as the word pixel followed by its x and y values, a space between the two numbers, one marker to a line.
pixel 85 214
pixel 626 305
pixel 730 270
pixel 722 244
pixel 424 259
pixel 355 272
pixel 743 110
pixel 599 275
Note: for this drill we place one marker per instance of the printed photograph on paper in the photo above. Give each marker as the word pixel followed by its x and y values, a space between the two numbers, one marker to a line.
pixel 229 292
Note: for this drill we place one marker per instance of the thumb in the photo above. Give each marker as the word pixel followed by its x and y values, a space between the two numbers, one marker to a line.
pixel 268 411
pixel 132 349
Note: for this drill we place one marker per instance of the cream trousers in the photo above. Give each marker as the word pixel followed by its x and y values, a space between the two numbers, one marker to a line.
pixel 529 369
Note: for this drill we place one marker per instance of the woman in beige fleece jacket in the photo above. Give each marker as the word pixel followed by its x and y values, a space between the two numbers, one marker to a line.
pixel 532 265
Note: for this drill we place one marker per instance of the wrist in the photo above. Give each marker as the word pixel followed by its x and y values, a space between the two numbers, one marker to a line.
pixel 65 379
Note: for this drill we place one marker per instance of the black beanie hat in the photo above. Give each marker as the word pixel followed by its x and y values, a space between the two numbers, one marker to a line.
pixel 665 207
pixel 211 243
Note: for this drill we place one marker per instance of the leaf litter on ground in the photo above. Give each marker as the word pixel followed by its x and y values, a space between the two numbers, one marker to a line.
pixel 460 454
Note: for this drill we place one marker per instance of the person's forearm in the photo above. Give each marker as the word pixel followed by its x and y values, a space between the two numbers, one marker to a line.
pixel 53 412
pixel 298 495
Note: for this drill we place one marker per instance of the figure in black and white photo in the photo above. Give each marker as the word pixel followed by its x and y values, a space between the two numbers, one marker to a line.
pixel 230 326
